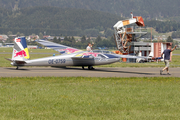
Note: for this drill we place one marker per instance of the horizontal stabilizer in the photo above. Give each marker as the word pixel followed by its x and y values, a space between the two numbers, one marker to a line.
pixel 16 61
pixel 8 59
pixel 19 62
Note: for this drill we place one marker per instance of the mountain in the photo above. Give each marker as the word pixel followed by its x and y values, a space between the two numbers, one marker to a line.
pixel 68 21
pixel 146 8
pixel 55 20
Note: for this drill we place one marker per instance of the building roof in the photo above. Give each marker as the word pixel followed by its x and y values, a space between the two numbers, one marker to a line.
pixel 3 37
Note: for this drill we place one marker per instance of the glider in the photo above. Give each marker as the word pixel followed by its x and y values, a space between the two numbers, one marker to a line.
pixel 69 56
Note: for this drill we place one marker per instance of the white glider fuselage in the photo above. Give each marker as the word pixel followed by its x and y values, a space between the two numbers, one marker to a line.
pixel 69 60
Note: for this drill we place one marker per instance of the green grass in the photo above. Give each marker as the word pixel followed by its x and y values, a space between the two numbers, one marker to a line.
pixel 6 49
pixel 176 51
pixel 81 98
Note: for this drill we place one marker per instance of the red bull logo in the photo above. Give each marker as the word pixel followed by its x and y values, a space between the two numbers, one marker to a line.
pixel 21 53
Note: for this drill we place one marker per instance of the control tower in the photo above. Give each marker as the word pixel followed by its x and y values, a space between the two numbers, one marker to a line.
pixel 127 31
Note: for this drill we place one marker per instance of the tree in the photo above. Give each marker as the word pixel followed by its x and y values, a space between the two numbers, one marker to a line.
pixel 66 41
pixel 176 43
pixel 169 39
pixel 40 35
pixel 91 32
pixel 18 33
pixel 176 34
pixel 108 32
pixel 21 34
pixel 33 34
pixel 55 40
pixel 83 39
pixel 98 39
pixel 113 44
pixel 59 40
pixel 9 33
pixel 88 40
pixel 73 41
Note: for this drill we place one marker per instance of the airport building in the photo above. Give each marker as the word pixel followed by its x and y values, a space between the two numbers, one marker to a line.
pixel 147 49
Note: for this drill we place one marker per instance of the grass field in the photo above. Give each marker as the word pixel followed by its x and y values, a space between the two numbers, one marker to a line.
pixel 5 63
pixel 81 98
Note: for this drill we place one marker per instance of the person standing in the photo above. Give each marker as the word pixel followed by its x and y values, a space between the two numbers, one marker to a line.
pixel 167 58
pixel 88 48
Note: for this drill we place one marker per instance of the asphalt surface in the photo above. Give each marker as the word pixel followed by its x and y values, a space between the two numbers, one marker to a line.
pixel 77 71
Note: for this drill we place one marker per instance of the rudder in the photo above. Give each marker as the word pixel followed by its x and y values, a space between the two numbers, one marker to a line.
pixel 20 50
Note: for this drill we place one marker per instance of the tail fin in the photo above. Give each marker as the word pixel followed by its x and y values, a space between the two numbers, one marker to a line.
pixel 20 50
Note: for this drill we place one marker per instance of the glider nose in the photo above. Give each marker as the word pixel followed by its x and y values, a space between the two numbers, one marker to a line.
pixel 116 59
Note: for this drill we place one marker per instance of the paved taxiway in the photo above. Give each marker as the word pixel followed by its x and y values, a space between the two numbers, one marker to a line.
pixel 77 71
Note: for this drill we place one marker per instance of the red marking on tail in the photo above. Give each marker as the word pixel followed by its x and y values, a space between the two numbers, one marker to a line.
pixel 22 53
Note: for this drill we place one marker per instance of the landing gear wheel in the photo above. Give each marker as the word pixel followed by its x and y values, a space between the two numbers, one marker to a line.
pixel 83 67
pixel 90 68
pixel 17 68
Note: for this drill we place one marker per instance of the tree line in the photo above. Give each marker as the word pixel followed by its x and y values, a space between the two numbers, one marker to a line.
pixel 163 26
pixel 176 34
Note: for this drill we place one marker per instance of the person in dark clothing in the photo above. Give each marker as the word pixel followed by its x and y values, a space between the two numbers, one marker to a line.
pixel 167 58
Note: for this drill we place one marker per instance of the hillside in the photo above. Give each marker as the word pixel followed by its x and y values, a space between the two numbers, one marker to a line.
pixel 55 18
pixel 68 21
pixel 146 8
pixel 58 20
